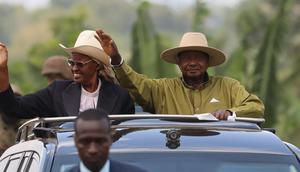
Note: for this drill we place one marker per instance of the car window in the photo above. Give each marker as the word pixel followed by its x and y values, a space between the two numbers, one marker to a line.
pixel 249 167
pixel 3 163
pixel 14 162
pixel 213 162
pixel 33 163
pixel 193 161
pixel 63 163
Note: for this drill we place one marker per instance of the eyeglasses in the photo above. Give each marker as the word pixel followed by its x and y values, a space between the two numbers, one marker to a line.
pixel 72 63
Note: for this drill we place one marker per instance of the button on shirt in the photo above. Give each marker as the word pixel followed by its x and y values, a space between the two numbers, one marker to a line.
pixel 89 100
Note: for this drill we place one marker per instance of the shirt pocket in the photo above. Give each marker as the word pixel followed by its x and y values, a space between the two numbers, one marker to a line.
pixel 215 104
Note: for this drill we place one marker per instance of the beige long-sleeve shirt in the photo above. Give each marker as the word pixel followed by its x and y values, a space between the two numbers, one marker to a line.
pixel 171 96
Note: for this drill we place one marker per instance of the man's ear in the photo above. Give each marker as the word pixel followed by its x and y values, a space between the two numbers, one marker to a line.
pixel 111 140
pixel 75 136
pixel 100 66
pixel 179 66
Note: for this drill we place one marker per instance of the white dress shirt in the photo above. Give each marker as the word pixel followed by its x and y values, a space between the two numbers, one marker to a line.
pixel 105 168
pixel 89 100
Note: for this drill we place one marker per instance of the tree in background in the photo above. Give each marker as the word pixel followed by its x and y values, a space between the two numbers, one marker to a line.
pixel 254 62
pixel 10 22
pixel 248 32
pixel 146 46
pixel 251 28
pixel 288 118
pixel 143 42
pixel 66 30
pixel 201 13
pixel 265 73
pixel 164 69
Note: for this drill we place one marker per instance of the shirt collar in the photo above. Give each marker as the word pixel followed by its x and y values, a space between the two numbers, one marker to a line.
pixel 202 85
pixel 93 94
pixel 105 168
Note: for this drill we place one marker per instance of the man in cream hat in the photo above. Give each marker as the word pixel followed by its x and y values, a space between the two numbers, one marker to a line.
pixel 92 86
pixel 195 91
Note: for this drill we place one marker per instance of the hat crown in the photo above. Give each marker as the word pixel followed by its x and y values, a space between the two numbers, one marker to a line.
pixel 87 38
pixel 193 39
pixel 88 44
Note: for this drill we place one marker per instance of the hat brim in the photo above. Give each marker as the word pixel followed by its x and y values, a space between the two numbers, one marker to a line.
pixel 216 57
pixel 93 52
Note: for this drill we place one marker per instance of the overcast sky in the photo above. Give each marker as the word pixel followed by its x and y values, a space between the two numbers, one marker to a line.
pixel 32 4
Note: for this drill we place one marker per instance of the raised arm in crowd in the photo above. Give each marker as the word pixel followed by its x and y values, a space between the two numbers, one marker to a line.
pixel 93 85
pixel 195 91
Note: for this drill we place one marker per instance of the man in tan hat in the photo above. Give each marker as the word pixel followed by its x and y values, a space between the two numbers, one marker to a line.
pixel 195 92
pixel 93 85
pixel 56 67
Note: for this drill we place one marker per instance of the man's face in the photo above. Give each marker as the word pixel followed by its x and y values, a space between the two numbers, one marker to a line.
pixel 84 69
pixel 93 141
pixel 192 64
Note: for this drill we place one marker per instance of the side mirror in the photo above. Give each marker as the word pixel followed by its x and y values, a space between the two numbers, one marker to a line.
pixel 272 130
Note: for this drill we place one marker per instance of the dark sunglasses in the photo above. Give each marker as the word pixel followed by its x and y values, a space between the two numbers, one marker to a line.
pixel 72 63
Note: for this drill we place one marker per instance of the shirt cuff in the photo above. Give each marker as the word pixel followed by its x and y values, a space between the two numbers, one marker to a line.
pixel 232 116
pixel 118 65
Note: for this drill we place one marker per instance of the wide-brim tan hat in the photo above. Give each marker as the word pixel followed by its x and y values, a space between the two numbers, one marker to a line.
pixel 194 41
pixel 87 44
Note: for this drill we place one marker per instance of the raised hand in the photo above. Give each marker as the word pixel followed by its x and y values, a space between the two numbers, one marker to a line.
pixel 109 46
pixel 3 55
pixel 4 77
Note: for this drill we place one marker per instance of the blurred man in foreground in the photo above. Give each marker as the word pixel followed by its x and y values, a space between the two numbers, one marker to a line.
pixel 93 140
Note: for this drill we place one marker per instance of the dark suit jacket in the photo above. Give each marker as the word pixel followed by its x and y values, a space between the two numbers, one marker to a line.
pixel 116 166
pixel 62 98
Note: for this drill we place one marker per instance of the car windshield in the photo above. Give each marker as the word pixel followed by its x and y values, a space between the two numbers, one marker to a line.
pixel 185 161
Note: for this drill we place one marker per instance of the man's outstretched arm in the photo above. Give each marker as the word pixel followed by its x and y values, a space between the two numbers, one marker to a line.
pixel 4 77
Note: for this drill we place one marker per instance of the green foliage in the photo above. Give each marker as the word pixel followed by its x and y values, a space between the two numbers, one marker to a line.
pixel 236 66
pixel 266 63
pixel 66 29
pixel 135 61
pixel 20 77
pixel 147 45
pixel 10 22
pixel 144 45
pixel 288 127
pixel 283 94
pixel 164 69
pixel 201 13
pixel 39 52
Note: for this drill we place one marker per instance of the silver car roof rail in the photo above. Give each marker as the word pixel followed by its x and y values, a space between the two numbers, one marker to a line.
pixel 25 131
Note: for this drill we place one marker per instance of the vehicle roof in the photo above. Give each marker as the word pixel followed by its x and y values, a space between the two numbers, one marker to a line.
pixel 142 135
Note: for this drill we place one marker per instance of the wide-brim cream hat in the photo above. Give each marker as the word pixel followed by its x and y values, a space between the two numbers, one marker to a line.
pixel 194 41
pixel 87 44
